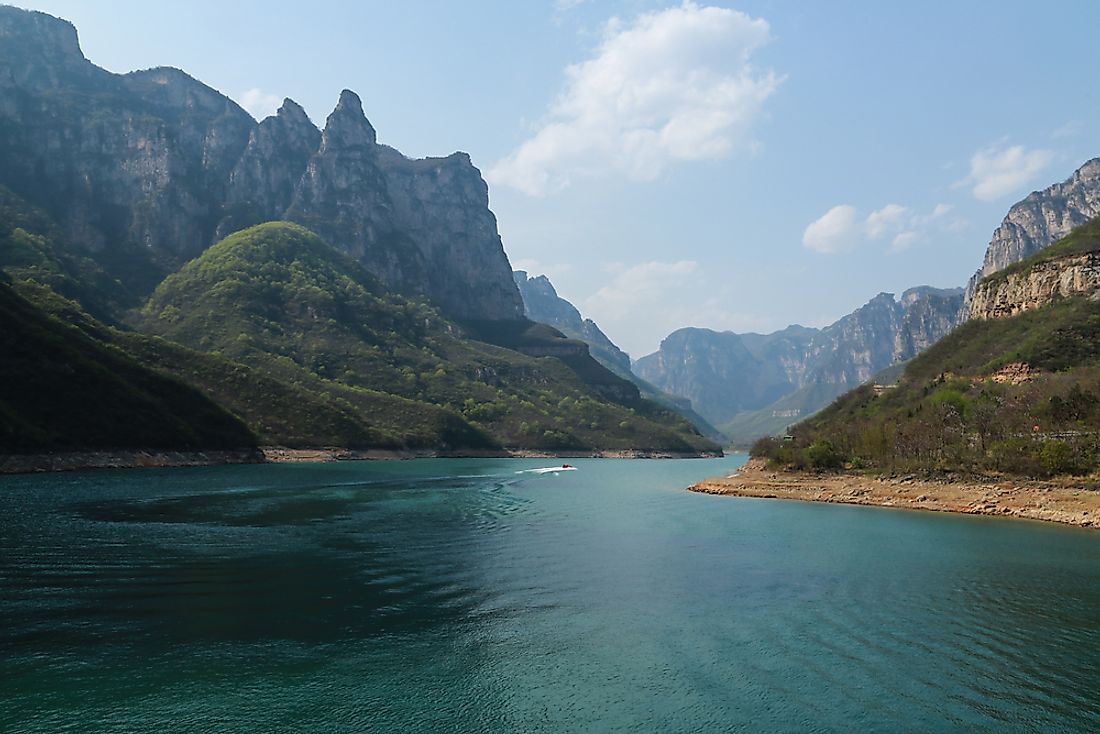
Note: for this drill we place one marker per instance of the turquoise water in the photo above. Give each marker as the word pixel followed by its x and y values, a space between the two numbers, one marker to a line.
pixel 460 596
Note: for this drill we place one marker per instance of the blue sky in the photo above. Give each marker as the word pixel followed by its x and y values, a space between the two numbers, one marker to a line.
pixel 737 166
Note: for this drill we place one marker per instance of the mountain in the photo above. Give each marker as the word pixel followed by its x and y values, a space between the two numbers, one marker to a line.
pixel 64 390
pixel 1040 219
pixel 401 329
pixel 752 383
pixel 542 303
pixel 144 171
pixel 1016 389
pixel 280 300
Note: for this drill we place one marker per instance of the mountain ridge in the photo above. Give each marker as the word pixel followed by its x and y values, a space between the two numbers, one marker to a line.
pixel 146 170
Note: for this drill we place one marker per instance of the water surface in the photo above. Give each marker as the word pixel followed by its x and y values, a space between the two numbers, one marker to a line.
pixel 460 596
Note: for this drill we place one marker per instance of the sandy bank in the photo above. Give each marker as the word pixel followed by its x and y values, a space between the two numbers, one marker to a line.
pixel 1055 501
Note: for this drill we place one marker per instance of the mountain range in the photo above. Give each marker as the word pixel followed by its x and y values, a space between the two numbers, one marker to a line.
pixel 752 385
pixel 1013 391
pixel 312 287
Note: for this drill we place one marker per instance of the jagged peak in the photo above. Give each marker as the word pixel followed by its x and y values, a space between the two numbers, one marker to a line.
pixel 291 111
pixel 347 125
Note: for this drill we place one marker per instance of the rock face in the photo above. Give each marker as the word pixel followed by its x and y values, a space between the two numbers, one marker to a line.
pixel 543 304
pixel 146 170
pixel 724 374
pixel 1077 275
pixel 1041 219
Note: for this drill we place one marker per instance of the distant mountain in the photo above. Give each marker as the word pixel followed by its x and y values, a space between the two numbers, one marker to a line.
pixel 745 383
pixel 143 171
pixel 1040 219
pixel 542 303
pixel 1015 389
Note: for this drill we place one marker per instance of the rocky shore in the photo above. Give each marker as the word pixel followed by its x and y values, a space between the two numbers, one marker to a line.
pixel 1056 501
pixel 131 459
pixel 122 459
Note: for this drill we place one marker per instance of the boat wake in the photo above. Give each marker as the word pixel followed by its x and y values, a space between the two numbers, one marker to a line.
pixel 548 469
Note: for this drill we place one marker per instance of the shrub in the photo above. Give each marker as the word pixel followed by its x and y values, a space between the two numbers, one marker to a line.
pixel 823 455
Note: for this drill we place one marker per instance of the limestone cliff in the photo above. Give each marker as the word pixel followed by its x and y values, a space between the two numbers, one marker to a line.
pixel 1040 219
pixel 146 170
pixel 1076 275
pixel 1068 268
pixel 726 374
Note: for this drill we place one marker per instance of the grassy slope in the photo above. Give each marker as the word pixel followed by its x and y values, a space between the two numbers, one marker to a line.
pixel 277 298
pixel 61 389
pixel 946 413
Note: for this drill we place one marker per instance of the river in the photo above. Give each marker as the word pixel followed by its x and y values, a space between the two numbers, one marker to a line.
pixel 464 596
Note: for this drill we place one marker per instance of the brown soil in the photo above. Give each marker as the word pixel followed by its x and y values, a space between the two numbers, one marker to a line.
pixel 1056 501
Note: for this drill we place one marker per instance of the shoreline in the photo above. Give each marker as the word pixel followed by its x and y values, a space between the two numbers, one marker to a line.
pixel 1050 501
pixel 139 459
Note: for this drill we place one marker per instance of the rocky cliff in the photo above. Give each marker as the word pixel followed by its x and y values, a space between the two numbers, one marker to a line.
pixel 543 304
pixel 1068 268
pixel 725 374
pixel 146 170
pixel 1077 275
pixel 1041 219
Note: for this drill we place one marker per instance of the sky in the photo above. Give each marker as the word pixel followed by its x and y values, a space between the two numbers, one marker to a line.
pixel 740 166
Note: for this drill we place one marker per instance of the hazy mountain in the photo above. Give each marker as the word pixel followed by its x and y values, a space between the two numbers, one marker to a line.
pixel 791 373
pixel 542 303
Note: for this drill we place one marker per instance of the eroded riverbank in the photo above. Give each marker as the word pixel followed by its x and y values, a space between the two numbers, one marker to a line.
pixel 1054 501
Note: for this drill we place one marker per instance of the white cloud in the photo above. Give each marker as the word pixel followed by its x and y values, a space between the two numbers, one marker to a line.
pixel 645 301
pixel 903 240
pixel 835 230
pixel 842 227
pixel 996 172
pixel 671 85
pixel 1071 129
pixel 640 286
pixel 563 6
pixel 259 103
pixel 880 221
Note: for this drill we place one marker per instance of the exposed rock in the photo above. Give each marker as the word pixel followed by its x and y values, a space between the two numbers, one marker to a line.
pixel 148 169
pixel 1015 373
pixel 724 373
pixel 261 186
pixel 1076 275
pixel 1040 220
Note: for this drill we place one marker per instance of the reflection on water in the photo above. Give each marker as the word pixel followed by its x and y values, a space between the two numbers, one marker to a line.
pixel 461 596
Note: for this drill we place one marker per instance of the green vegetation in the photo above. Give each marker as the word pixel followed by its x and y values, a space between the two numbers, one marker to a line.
pixel 28 251
pixel 61 389
pixel 949 413
pixel 293 309
pixel 303 346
